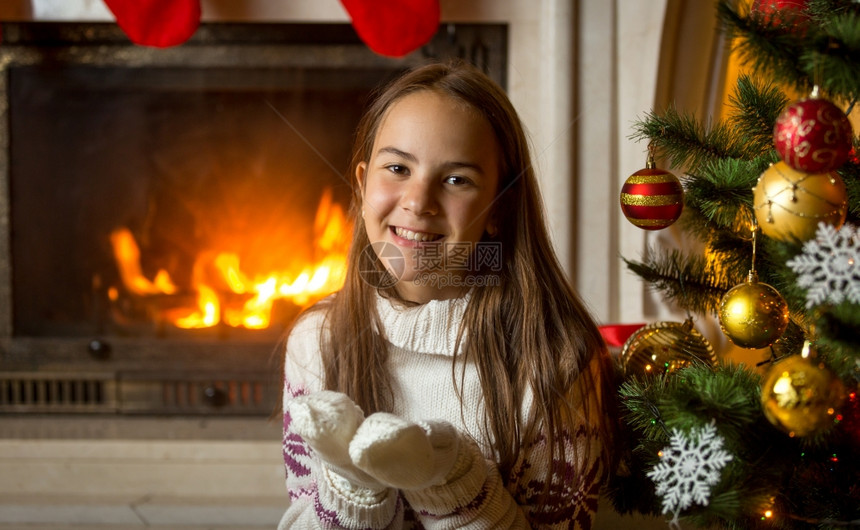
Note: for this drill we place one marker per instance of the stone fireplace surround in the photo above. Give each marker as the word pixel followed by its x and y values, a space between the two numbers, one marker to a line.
pixel 578 72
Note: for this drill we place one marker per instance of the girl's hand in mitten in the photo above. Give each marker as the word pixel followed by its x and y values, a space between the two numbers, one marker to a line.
pixel 405 455
pixel 327 421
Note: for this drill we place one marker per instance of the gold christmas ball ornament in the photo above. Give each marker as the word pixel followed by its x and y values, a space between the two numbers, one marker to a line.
pixel 665 347
pixel 753 314
pixel 789 203
pixel 801 396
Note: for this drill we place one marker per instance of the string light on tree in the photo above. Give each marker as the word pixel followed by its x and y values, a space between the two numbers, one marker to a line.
pixel 849 418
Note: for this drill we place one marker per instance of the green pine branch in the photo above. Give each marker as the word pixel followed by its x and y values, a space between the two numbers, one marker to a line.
pixel 850 173
pixel 834 60
pixel 755 107
pixel 720 191
pixel 838 338
pixel 766 464
pixel 770 50
pixel 691 397
pixel 685 142
pixel 690 281
pixel 797 53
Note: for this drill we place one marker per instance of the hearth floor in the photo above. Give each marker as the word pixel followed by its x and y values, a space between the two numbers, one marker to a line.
pixel 61 513
pixel 169 473
pixel 111 473
pixel 38 512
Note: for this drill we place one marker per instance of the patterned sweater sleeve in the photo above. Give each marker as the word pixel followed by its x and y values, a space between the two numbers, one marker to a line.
pixel 316 501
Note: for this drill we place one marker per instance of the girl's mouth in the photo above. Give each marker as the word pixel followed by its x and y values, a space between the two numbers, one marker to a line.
pixel 415 237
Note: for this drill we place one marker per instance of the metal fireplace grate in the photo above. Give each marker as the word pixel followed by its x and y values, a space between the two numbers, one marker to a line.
pixel 41 392
pixel 197 393
pixel 57 392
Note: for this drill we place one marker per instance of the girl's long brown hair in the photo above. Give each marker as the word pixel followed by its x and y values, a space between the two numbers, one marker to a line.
pixel 530 333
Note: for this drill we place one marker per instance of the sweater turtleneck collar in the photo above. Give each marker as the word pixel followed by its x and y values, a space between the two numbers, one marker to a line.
pixel 426 328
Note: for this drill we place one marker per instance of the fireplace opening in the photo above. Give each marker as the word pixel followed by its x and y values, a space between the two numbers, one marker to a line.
pixel 169 212
pixel 148 208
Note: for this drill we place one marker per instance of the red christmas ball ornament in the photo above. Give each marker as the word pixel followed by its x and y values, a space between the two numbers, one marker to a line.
pixel 652 198
pixel 813 135
pixel 780 12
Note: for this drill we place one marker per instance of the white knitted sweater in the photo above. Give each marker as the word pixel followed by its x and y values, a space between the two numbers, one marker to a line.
pixel 421 341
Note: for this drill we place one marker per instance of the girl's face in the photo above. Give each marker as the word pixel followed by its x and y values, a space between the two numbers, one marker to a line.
pixel 428 192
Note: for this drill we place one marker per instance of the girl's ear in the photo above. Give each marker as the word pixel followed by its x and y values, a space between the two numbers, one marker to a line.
pixel 492 226
pixel 360 172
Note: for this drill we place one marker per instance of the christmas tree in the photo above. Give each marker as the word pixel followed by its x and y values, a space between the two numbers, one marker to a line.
pixel 772 193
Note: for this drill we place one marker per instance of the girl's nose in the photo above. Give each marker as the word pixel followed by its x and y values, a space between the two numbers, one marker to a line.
pixel 419 198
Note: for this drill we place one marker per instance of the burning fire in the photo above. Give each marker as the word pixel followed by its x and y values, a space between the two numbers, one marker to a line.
pixel 218 280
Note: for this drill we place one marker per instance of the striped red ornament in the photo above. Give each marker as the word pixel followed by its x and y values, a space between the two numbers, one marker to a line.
pixel 652 198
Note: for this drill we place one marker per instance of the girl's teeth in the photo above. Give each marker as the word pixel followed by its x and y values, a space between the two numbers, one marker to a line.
pixel 415 236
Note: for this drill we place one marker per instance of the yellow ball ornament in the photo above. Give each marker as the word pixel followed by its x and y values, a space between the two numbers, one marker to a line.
pixel 665 347
pixel 789 203
pixel 753 314
pixel 801 396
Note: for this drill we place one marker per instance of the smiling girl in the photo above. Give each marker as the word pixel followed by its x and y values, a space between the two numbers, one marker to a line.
pixel 470 388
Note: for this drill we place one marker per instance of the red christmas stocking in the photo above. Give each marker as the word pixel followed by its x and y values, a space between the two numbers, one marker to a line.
pixel 394 27
pixel 158 23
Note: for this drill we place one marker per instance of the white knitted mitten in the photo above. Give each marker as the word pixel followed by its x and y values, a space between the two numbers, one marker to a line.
pixel 327 421
pixel 403 454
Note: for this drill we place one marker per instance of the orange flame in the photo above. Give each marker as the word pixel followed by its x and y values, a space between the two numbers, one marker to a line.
pixel 127 255
pixel 208 310
pixel 257 294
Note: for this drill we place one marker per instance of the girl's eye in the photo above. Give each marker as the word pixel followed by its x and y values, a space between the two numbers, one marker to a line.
pixel 397 168
pixel 457 180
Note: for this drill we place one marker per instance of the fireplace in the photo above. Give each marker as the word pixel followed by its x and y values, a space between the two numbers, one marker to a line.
pixel 165 213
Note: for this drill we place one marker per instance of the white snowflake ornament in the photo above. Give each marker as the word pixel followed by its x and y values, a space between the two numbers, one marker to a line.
pixel 688 468
pixel 829 267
